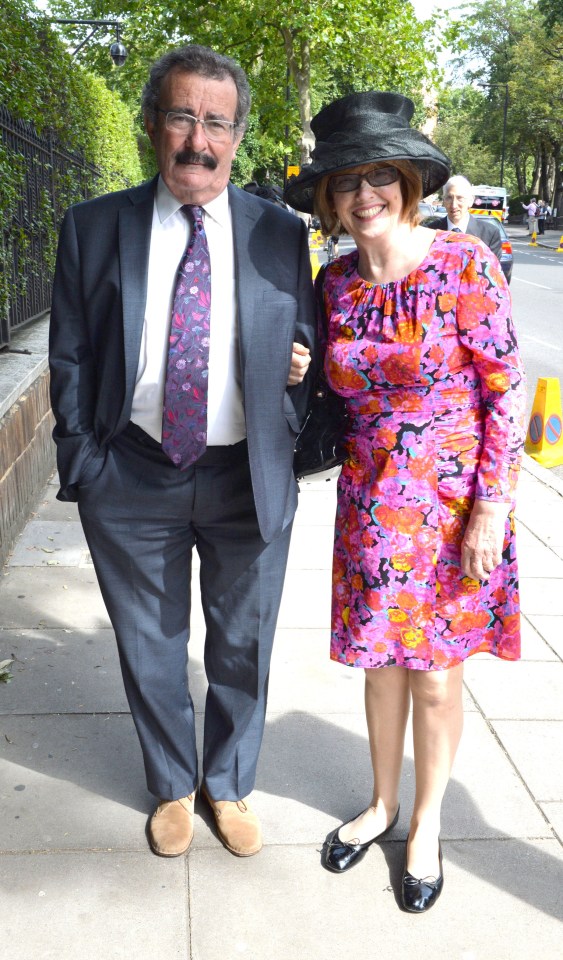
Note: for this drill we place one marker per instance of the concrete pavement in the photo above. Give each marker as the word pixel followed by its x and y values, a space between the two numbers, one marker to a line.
pixel 77 876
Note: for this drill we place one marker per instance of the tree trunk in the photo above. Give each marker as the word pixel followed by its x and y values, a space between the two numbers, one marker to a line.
pixel 535 184
pixel 558 191
pixel 520 174
pixel 299 62
pixel 544 180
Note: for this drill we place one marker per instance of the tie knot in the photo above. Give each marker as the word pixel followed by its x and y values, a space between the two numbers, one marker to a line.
pixel 195 214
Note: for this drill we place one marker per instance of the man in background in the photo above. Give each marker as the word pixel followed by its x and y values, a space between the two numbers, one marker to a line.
pixel 458 197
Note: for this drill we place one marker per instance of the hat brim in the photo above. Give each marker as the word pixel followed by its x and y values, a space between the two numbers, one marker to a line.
pixel 332 158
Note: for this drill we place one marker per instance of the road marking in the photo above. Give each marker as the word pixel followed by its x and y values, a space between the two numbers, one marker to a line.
pixel 542 343
pixel 531 282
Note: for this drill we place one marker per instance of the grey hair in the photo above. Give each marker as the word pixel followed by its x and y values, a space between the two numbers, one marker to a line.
pixel 205 62
pixel 459 179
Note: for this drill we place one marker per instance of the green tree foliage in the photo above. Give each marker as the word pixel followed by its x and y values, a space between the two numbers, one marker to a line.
pixel 458 134
pixel 298 55
pixel 505 45
pixel 552 12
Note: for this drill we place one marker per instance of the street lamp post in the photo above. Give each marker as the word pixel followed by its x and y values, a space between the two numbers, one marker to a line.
pixel 117 51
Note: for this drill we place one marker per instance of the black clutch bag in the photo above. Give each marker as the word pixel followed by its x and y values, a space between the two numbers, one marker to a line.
pixel 320 444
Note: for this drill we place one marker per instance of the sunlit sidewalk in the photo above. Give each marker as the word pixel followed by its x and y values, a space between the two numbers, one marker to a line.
pixel 78 878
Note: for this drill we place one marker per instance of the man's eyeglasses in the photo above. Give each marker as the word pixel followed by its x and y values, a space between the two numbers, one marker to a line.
pixel 378 177
pixel 184 123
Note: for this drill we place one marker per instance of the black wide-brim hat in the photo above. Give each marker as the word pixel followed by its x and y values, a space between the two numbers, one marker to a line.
pixel 361 128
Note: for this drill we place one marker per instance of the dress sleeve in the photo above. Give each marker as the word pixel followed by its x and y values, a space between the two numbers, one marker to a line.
pixel 484 320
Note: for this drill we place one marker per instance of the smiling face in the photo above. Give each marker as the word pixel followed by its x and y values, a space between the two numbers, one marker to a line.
pixel 195 169
pixel 369 212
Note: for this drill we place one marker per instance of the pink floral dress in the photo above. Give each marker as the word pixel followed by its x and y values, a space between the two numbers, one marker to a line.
pixel 430 370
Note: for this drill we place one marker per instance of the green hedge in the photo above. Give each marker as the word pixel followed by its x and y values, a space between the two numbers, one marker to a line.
pixel 40 83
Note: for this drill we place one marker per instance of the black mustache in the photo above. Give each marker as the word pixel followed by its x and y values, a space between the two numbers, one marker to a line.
pixel 190 156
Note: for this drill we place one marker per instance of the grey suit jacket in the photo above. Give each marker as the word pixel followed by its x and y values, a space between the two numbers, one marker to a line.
pixel 478 227
pixel 97 320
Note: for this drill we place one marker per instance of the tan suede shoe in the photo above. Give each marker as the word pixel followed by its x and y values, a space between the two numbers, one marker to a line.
pixel 171 827
pixel 238 826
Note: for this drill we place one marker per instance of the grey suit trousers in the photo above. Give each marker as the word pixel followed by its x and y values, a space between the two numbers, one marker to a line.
pixel 142 517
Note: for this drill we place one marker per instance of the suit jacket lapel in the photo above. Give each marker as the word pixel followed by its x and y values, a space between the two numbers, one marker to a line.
pixel 135 223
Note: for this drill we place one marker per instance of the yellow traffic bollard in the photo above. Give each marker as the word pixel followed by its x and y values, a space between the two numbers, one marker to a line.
pixel 533 241
pixel 544 440
pixel 560 247
pixel 315 263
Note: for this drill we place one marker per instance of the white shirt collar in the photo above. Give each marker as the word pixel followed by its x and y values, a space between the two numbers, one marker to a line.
pixel 462 225
pixel 167 205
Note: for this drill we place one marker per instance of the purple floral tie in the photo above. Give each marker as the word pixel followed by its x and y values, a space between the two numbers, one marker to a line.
pixel 184 419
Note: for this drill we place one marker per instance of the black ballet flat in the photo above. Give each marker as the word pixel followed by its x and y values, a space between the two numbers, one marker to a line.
pixel 417 896
pixel 339 855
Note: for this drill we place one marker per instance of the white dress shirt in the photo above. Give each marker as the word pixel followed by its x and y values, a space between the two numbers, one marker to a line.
pixel 169 236
pixel 462 225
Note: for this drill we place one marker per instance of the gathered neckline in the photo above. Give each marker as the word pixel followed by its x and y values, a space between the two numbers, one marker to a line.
pixel 401 280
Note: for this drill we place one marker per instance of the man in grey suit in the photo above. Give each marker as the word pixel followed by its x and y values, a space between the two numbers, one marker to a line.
pixel 458 197
pixel 115 286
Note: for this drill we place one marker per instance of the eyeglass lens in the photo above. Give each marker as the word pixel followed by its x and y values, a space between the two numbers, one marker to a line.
pixel 378 177
pixel 185 123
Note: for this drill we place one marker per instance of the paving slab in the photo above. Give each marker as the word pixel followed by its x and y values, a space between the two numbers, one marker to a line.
pixel 312 548
pixel 536 749
pixel 553 811
pixel 62 671
pixel 545 521
pixel 541 596
pixel 306 913
pixel 525 539
pixel 516 691
pixel 317 503
pixel 52 597
pixel 306 599
pixel 550 628
pixel 534 643
pixel 303 677
pixel 558 549
pixel 95 906
pixel 539 560
pixel 51 542
pixel 71 782
pixel 49 508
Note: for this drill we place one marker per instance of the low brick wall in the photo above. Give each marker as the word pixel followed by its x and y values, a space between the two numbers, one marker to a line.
pixel 27 459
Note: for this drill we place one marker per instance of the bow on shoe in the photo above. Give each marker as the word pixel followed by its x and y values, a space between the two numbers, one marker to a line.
pixel 417 896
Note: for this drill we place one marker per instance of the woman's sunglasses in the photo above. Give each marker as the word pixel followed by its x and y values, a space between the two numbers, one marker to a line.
pixel 378 177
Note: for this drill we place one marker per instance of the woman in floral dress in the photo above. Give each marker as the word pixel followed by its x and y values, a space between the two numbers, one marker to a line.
pixel 419 341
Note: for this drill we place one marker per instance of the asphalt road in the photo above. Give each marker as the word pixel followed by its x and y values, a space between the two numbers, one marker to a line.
pixel 537 297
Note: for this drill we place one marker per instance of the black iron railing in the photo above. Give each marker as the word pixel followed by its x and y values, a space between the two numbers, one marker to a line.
pixel 50 178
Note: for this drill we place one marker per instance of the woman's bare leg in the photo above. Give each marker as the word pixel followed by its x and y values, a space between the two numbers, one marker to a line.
pixel 437 724
pixel 387 701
